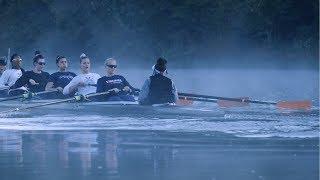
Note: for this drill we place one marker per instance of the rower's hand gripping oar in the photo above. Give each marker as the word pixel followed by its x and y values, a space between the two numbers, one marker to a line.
pixel 227 101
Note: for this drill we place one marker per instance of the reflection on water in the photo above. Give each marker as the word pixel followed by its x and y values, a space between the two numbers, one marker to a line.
pixel 153 155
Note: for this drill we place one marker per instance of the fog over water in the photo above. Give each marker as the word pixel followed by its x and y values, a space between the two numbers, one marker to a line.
pixel 260 84
pixel 261 49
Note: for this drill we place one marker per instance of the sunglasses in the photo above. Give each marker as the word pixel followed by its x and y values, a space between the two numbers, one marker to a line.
pixel 17 59
pixel 112 66
pixel 41 63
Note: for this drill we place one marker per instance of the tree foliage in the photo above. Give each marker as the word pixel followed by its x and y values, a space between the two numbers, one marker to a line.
pixel 176 29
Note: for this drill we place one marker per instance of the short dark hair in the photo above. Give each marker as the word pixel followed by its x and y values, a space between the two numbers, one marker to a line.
pixel 161 64
pixel 15 55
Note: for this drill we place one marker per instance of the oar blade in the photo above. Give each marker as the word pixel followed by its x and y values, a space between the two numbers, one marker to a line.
pixel 295 105
pixel 229 104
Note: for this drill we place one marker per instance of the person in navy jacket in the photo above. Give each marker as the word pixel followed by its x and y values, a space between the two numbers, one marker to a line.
pixel 117 85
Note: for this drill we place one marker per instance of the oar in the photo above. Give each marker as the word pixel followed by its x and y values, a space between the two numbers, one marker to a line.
pixel 189 100
pixel 4 88
pixel 185 101
pixel 27 95
pixel 75 98
pixel 306 104
pixel 3 91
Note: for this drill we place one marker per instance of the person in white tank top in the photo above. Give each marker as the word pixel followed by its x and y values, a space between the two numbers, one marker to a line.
pixel 84 83
pixel 10 76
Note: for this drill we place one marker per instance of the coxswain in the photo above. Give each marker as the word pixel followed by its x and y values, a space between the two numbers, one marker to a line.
pixel 158 89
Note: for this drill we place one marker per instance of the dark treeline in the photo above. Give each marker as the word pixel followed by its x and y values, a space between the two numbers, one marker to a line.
pixel 224 32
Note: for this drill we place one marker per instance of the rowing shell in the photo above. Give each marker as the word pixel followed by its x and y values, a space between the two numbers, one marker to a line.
pixel 112 108
pixel 89 105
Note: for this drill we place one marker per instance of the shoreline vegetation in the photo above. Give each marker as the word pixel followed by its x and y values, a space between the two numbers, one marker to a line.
pixel 252 33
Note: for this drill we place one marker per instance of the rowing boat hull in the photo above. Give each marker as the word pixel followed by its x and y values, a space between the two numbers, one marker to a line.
pixel 88 103
pixel 116 109
pixel 89 106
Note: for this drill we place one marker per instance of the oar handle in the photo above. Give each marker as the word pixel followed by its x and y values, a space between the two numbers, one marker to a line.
pixel 45 92
pixel 97 94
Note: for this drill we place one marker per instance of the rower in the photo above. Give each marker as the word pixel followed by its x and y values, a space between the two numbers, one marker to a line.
pixel 3 64
pixel 10 76
pixel 120 89
pixel 60 79
pixel 35 80
pixel 3 89
pixel 84 83
pixel 158 89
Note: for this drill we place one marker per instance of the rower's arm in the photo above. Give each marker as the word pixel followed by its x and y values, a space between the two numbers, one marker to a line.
pixel 4 79
pixel 100 86
pixel 175 92
pixel 126 83
pixel 71 87
pixel 143 95
pixel 23 80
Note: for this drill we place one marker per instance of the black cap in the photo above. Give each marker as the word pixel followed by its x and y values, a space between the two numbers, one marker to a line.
pixel 161 65
pixel 3 61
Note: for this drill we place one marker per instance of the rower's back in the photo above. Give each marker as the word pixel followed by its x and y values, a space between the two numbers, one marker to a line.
pixel 160 89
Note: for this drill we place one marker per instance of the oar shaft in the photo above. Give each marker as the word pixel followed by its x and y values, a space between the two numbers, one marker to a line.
pixel 226 98
pixel 75 98
pixel 44 92
pixel 260 102
pixel 209 97
pixel 4 88
pixel 50 103
pixel 26 95
pixel 38 105
pixel 197 99
pixel 13 98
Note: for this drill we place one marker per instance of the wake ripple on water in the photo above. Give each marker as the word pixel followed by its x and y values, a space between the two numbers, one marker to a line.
pixel 258 123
